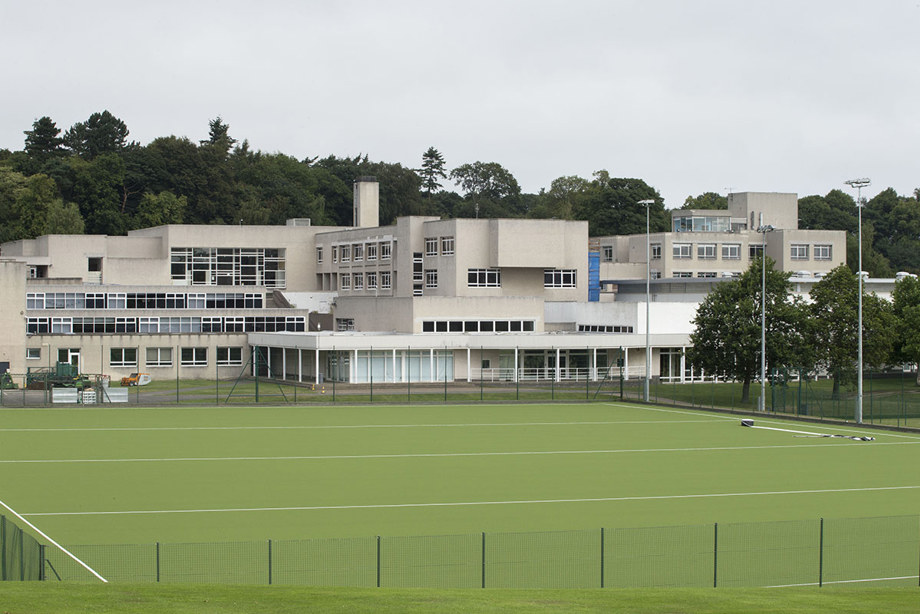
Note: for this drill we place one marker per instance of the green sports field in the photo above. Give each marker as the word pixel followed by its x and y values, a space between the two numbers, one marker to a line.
pixel 138 476
pixel 100 476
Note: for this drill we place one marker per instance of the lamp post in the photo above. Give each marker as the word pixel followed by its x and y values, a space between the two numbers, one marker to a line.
pixel 648 296
pixel 764 229
pixel 859 184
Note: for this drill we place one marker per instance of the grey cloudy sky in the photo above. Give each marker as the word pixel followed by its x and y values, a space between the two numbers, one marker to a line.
pixel 691 96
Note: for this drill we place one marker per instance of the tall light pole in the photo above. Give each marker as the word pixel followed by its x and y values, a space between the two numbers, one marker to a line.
pixel 648 295
pixel 763 229
pixel 859 184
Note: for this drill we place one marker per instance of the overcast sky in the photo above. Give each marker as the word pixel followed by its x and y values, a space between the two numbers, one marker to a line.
pixel 691 96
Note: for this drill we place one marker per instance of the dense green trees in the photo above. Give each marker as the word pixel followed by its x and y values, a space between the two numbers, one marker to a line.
pixel 726 341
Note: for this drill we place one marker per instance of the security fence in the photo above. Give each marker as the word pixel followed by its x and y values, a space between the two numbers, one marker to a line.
pixel 21 556
pixel 862 552
pixel 889 398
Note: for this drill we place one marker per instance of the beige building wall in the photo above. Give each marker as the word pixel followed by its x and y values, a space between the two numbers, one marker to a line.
pixel 12 316
pixel 779 209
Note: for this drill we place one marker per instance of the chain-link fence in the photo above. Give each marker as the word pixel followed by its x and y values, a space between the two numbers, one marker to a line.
pixel 888 398
pixel 863 552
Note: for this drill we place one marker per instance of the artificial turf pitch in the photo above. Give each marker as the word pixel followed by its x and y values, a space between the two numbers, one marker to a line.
pixel 110 476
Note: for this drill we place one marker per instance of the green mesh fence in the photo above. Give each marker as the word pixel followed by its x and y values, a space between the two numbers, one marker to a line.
pixel 857 552
pixel 20 554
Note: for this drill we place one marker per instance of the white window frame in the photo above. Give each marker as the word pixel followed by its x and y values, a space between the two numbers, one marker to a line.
pixel 372 281
pixel 386 280
pixel 386 250
pixel 485 278
pixel 197 357
pixel 33 353
pixel 655 248
pixel 824 252
pixel 798 251
pixel 344 281
pixel 319 254
pixel 731 251
pixel 227 357
pixel 682 251
pixel 431 278
pixel 358 281
pixel 447 246
pixel 124 359
pixel 431 246
pixel 371 251
pixel 560 278
pixel 706 251
pixel 162 357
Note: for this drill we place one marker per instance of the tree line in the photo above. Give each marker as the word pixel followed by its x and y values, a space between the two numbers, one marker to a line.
pixel 90 178
pixel 820 334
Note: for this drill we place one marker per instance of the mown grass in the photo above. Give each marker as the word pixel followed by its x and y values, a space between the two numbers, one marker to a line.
pixel 18 598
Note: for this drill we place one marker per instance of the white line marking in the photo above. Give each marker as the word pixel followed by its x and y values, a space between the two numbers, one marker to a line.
pixel 844 581
pixel 181 459
pixel 477 503
pixel 342 426
pixel 54 543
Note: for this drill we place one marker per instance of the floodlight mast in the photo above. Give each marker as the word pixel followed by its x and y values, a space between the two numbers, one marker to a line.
pixel 859 184
pixel 763 229
pixel 648 295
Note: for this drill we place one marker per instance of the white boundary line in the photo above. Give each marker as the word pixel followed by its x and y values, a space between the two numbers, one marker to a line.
pixel 182 459
pixel 844 581
pixel 475 503
pixel 54 543
pixel 346 426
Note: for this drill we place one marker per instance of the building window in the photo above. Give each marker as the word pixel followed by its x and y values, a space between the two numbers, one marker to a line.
pixel 823 252
pixel 478 326
pixel 484 278
pixel 798 252
pixel 345 282
pixel 358 249
pixel 372 281
pixel 682 250
pixel 559 278
pixel 431 278
pixel 655 274
pixel 223 266
pixel 385 280
pixel 359 281
pixel 607 253
pixel 385 251
pixel 683 274
pixel 319 255
pixel 755 251
pixel 335 253
pixel 371 251
pixel 418 270
pixel 447 246
pixel 346 253
pixel 33 353
pixel 706 251
pixel 194 357
pixel 656 251
pixel 431 246
pixel 731 251
pixel 706 274
pixel 123 357
pixel 344 324
pixel 230 357
pixel 159 357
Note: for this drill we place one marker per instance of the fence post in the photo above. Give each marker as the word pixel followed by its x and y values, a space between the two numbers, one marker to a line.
pixel 715 555
pixel 269 562
pixel 602 557
pixel 41 558
pixel 821 556
pixel 158 561
pixel 2 547
pixel 483 559
pixel 378 561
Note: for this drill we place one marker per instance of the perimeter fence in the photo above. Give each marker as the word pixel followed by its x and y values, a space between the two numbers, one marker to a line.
pixel 21 556
pixel 888 398
pixel 864 551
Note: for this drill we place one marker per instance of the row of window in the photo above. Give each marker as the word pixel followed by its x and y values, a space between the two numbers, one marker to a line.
pixel 478 326
pixel 357 252
pixel 163 357
pixel 604 328
pixel 143 300
pixel 382 280
pixel 232 266
pixel 166 325
pixel 732 251
pixel 446 245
